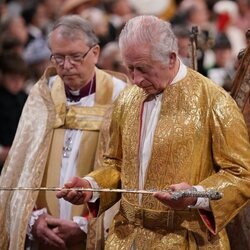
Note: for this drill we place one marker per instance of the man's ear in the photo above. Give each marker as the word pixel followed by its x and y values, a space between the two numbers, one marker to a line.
pixel 96 52
pixel 172 59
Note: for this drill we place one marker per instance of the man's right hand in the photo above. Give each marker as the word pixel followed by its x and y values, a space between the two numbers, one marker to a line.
pixel 73 196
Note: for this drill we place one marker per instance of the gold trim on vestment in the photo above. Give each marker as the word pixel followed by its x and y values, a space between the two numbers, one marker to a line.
pixel 153 219
pixel 85 118
pixel 59 99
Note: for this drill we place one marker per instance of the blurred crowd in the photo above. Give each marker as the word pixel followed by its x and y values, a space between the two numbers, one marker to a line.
pixel 24 25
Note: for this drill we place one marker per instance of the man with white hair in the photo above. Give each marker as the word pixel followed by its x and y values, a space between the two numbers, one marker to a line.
pixel 173 130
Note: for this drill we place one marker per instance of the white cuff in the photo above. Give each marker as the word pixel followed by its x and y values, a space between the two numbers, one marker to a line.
pixel 82 222
pixel 201 203
pixel 94 185
pixel 34 216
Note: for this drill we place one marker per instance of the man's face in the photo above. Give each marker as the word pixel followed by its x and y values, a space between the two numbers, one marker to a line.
pixel 75 60
pixel 150 75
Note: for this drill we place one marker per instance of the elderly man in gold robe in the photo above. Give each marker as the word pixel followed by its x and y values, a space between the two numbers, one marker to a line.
pixel 57 138
pixel 173 130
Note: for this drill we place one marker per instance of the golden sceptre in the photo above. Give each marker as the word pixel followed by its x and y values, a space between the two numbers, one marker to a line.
pixel 210 194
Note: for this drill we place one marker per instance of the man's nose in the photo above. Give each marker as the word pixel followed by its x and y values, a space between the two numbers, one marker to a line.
pixel 137 77
pixel 67 63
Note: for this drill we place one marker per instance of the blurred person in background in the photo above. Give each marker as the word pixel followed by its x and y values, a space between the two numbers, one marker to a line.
pixel 182 34
pixel 119 12
pixel 227 13
pixel 110 58
pixel 37 56
pixel 11 43
pixel 223 70
pixel 76 6
pixel 14 26
pixel 192 13
pixel 103 28
pixel 52 9
pixel 13 76
pixel 35 16
pixel 164 9
pixel 243 19
pixel 3 9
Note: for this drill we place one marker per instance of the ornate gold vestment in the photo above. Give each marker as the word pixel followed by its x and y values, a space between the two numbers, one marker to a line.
pixel 35 156
pixel 201 139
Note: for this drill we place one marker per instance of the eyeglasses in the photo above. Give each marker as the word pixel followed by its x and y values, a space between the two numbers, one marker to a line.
pixel 74 59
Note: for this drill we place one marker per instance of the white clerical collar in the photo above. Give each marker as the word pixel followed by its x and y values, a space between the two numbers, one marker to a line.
pixel 182 72
pixel 74 92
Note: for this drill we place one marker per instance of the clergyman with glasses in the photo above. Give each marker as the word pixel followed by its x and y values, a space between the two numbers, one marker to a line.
pixel 57 138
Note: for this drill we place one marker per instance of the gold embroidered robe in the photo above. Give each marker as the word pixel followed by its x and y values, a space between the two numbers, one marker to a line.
pixel 35 156
pixel 201 139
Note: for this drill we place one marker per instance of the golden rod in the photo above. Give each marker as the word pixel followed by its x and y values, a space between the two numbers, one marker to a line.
pixel 80 189
pixel 210 194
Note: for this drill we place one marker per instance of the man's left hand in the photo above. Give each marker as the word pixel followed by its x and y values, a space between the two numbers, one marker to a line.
pixel 181 203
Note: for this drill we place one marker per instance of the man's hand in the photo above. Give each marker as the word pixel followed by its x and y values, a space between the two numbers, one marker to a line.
pixel 67 230
pixel 180 204
pixel 73 196
pixel 45 235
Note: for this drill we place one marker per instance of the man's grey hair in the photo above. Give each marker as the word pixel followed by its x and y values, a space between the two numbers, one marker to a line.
pixel 74 27
pixel 152 31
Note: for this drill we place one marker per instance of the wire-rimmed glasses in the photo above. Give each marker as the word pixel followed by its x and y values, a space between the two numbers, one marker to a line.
pixel 74 59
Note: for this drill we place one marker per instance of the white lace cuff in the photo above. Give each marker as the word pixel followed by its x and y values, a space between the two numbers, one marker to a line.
pixel 34 216
pixel 93 184
pixel 202 203
pixel 82 222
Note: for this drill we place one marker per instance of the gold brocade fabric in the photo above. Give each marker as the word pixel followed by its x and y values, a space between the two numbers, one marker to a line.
pixel 38 142
pixel 25 169
pixel 201 139
pixel 246 113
